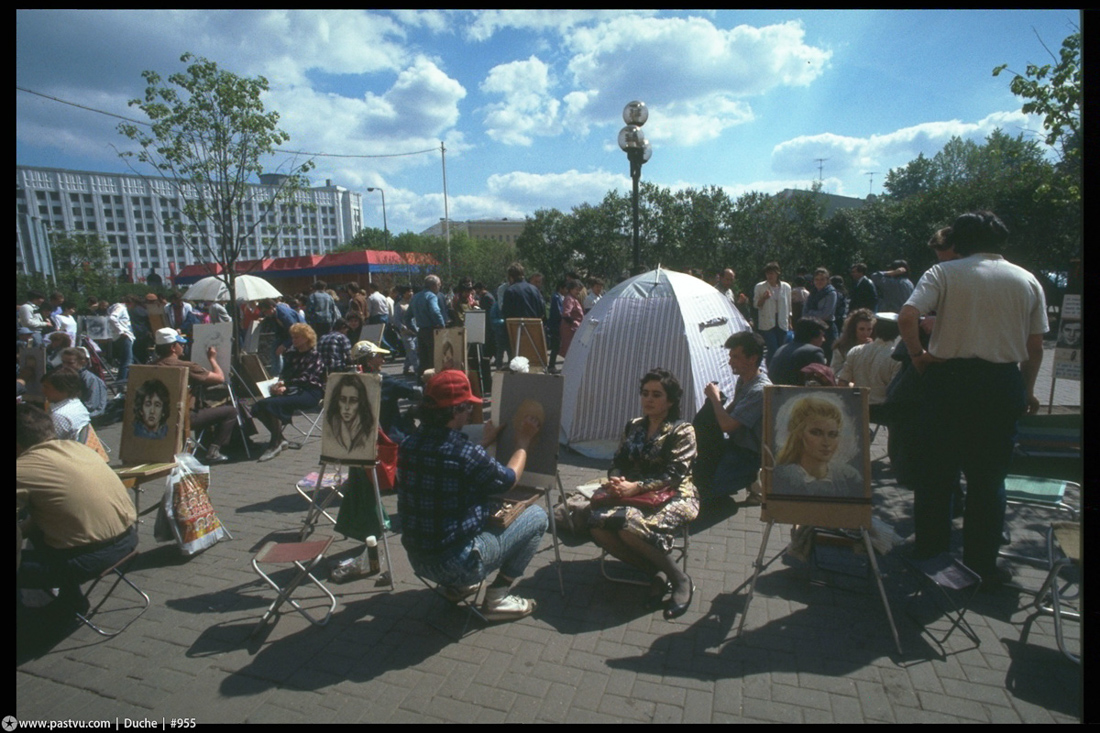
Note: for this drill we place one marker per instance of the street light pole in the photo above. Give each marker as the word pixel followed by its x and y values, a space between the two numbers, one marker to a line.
pixel 638 151
pixel 385 226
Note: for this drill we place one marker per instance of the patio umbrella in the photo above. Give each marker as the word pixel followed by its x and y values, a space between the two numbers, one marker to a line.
pixel 249 287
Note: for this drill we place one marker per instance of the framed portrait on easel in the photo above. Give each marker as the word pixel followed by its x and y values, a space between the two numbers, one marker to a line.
pixel 349 432
pixel 155 415
pixel 450 349
pixel 816 457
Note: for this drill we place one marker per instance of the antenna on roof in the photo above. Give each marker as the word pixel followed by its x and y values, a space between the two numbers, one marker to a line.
pixel 871 178
pixel 819 162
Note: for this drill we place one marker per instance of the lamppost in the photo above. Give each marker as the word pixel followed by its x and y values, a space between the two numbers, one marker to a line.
pixel 385 226
pixel 638 152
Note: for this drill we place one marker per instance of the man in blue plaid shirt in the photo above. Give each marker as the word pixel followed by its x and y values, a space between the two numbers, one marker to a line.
pixel 335 347
pixel 444 489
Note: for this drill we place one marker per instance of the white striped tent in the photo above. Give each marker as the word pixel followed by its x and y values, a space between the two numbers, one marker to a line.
pixel 658 319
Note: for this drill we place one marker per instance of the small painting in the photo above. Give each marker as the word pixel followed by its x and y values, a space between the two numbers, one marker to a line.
pixel 450 349
pixel 474 320
pixel 94 327
pixel 154 416
pixel 521 395
pixel 817 456
pixel 349 433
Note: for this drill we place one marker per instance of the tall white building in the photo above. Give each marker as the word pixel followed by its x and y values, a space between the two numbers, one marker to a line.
pixel 132 214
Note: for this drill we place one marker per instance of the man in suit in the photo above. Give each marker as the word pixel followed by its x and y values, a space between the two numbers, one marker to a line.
pixel 864 294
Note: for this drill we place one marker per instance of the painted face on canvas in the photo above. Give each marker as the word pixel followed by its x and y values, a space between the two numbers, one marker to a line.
pixel 152 411
pixel 348 403
pixel 820 439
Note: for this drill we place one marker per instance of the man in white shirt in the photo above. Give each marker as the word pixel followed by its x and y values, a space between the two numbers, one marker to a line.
pixel 978 377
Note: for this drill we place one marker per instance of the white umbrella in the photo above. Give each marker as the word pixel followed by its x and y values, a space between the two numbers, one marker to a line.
pixel 249 287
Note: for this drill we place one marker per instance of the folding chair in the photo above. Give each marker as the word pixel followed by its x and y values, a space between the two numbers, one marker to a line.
pixel 1038 493
pixel 115 569
pixel 1067 536
pixel 468 601
pixel 951 586
pixel 679 548
pixel 304 556
pixel 314 426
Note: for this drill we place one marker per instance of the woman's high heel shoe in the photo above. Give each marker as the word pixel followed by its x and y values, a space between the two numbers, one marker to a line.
pixel 656 596
pixel 676 610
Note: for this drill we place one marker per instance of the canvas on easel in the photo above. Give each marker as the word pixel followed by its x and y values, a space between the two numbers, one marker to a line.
pixel 514 397
pixel 528 339
pixel 474 320
pixel 218 335
pixel 155 416
pixel 349 433
pixel 449 350
pixel 816 457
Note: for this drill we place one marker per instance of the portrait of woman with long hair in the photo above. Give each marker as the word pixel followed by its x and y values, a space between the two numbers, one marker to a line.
pixel 807 464
pixel 349 420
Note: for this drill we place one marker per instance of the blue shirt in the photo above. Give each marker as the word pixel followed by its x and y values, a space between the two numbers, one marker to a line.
pixel 425 310
pixel 444 485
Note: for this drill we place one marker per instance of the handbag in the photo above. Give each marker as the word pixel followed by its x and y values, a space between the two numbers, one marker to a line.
pixel 646 500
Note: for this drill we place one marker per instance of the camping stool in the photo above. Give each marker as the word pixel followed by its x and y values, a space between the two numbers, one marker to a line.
pixel 1038 493
pixel 679 547
pixel 314 424
pixel 116 569
pixel 470 602
pixel 951 586
pixel 1067 536
pixel 304 556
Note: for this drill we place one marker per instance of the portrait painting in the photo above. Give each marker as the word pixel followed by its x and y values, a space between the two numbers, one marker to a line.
pixel 817 456
pixel 218 335
pixel 518 396
pixel 450 349
pixel 474 320
pixel 154 416
pixel 528 339
pixel 349 431
pixel 94 327
pixel 1068 353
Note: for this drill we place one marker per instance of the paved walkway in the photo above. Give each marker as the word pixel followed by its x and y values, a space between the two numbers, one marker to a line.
pixel 816 646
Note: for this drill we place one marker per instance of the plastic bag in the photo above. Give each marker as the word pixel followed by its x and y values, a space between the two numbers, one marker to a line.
pixel 186 514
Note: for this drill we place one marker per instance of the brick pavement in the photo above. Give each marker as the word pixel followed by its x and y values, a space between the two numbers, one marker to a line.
pixel 811 652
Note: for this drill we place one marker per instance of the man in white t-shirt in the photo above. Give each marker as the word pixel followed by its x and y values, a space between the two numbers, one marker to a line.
pixel 978 377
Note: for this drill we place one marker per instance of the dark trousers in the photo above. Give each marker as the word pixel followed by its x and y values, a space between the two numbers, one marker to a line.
pixel 223 418
pixel 968 422
pixel 425 349
pixel 45 567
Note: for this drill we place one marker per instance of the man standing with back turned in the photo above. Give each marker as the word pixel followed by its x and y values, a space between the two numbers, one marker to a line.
pixel 978 378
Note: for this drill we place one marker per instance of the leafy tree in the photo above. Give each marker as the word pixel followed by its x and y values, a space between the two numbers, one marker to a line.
pixel 81 262
pixel 368 238
pixel 209 139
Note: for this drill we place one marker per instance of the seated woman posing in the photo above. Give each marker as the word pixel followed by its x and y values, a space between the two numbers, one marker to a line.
pixel 655 456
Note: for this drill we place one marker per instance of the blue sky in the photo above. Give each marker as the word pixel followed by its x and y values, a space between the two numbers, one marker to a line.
pixel 528 103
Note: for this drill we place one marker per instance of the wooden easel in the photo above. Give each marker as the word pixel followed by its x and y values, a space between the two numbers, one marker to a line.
pixel 528 339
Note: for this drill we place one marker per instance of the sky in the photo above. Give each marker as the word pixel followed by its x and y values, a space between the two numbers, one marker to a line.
pixel 528 104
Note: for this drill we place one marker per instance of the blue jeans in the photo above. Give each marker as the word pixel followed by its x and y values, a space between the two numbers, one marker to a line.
pixel 968 423
pixel 509 550
pixel 124 355
pixel 773 339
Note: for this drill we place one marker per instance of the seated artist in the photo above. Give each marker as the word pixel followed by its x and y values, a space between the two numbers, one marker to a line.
pixel 222 418
pixel 655 455
pixel 729 435
pixel 369 357
pixel 300 387
pixel 62 388
pixel 444 489
pixel 81 519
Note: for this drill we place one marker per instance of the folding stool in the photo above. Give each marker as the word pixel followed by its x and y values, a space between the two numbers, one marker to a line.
pixel 116 569
pixel 304 556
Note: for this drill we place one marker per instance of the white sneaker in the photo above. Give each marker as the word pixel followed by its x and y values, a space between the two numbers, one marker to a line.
pixel 271 453
pixel 505 608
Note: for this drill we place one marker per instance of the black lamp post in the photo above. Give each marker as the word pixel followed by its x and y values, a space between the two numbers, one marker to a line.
pixel 385 226
pixel 638 152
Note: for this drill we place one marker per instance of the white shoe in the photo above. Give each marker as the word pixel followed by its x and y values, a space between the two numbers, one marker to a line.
pixel 498 607
pixel 271 453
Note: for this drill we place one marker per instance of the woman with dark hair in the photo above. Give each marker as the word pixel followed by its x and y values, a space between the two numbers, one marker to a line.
pixel 857 330
pixel 300 387
pixel 348 414
pixel 656 454
pixel 151 410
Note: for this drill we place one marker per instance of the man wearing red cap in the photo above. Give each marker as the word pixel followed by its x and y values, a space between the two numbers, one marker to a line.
pixel 444 489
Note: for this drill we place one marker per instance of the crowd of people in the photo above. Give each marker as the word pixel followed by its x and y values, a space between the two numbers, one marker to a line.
pixel 971 368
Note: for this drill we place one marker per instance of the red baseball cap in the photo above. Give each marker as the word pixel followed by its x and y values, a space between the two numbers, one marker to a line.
pixel 449 388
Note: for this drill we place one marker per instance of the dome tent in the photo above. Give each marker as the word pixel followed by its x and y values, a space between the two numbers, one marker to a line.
pixel 657 319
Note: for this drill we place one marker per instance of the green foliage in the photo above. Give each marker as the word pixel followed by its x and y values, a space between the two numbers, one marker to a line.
pixel 81 262
pixel 209 138
pixel 369 238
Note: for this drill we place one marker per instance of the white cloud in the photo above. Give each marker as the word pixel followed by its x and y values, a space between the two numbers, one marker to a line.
pixel 563 191
pixel 669 62
pixel 855 155
pixel 527 108
pixel 486 23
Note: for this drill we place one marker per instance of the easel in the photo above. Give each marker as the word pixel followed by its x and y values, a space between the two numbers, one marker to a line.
pixel 318 509
pixel 759 566
pixel 528 344
pixel 545 485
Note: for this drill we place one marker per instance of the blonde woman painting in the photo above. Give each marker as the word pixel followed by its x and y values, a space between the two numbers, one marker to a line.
pixel 805 464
